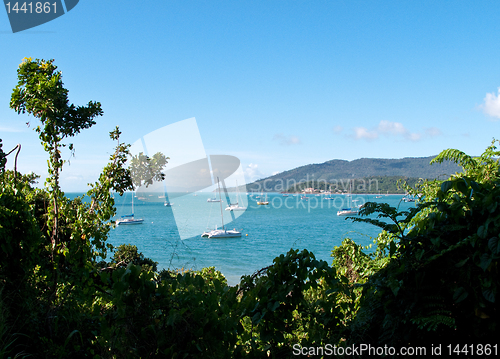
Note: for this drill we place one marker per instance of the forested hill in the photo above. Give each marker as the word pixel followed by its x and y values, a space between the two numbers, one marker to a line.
pixel 338 170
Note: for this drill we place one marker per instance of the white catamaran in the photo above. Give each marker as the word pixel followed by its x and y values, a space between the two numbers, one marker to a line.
pixel 221 233
pixel 348 211
pixel 236 206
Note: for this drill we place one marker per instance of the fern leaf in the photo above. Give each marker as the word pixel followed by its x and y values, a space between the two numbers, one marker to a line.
pixel 461 158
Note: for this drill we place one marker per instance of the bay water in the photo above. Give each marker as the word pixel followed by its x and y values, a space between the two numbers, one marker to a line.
pixel 289 222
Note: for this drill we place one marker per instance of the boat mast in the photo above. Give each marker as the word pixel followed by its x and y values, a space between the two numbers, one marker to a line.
pixel 220 202
pixel 350 195
pixel 237 194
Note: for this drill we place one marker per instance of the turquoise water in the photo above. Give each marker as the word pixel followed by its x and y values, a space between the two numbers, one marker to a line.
pixel 268 231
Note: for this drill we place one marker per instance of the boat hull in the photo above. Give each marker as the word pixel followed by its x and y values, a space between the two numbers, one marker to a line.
pixel 236 208
pixel 347 212
pixel 222 233
pixel 128 221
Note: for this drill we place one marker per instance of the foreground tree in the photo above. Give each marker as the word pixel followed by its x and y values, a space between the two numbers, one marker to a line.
pixel 56 241
pixel 440 284
pixel 3 158
pixel 40 93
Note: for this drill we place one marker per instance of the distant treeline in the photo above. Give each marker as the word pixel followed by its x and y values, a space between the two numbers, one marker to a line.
pixel 372 184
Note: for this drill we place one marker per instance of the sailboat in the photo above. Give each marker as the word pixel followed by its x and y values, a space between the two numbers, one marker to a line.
pixel 221 233
pixel 357 205
pixel 129 218
pixel 215 199
pixel 328 194
pixel 236 206
pixel 408 198
pixel 348 211
pixel 166 203
pixel 262 202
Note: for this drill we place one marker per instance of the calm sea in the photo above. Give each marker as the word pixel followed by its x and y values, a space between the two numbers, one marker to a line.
pixel 268 231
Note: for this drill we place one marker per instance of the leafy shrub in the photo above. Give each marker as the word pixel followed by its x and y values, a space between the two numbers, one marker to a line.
pixel 442 283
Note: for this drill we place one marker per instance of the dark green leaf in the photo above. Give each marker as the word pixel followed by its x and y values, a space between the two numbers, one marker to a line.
pixel 459 295
pixel 489 295
pixel 446 186
pixel 482 231
pixel 475 186
pixel 392 248
pixel 462 262
pixel 462 186
pixel 395 286
pixel 257 318
pixel 485 261
pixel 494 245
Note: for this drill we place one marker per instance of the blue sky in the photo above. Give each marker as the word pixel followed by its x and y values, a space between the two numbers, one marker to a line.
pixel 278 84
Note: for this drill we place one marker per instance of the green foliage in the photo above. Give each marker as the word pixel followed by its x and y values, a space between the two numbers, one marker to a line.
pixel 430 276
pixel 20 253
pixel 40 92
pixel 183 315
pixel 288 303
pixel 355 265
pixel 442 281
pixel 145 170
pixel 50 244
pixel 384 211
pixel 126 253
pixel 3 157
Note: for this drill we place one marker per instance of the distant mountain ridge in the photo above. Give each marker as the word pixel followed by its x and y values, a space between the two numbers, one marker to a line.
pixel 337 170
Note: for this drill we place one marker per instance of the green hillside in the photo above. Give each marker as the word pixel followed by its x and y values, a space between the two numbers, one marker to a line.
pixel 338 173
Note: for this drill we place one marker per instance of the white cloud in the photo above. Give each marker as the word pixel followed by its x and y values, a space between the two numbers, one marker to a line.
pixel 491 105
pixel 413 136
pixel 392 128
pixel 364 133
pixel 395 129
pixel 252 172
pixel 10 129
pixel 338 129
pixel 286 141
pixel 433 132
